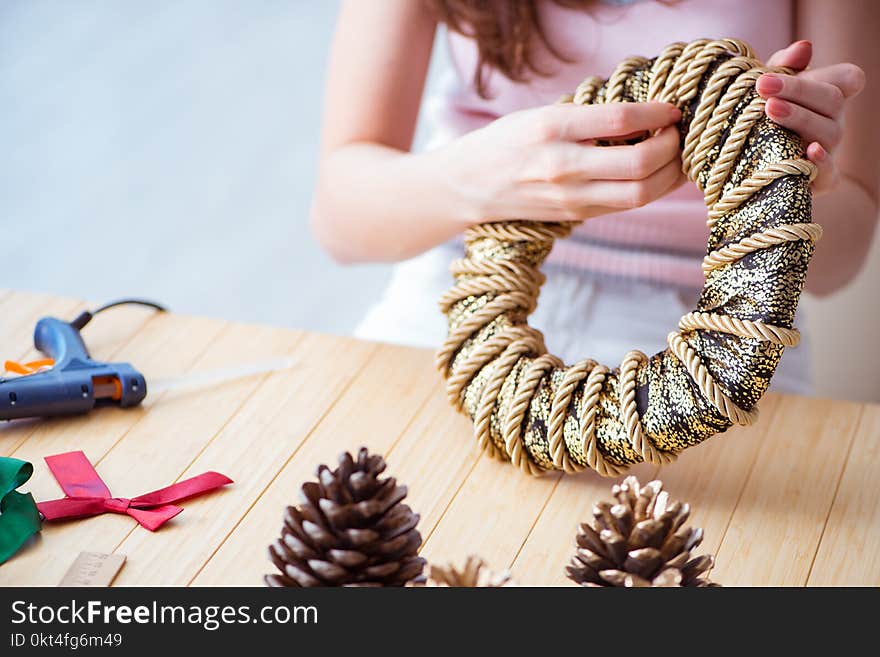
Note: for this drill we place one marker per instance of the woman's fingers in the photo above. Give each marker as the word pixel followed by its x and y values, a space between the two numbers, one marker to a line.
pixel 812 105
pixel 567 122
pixel 810 125
pixel 587 162
pixel 575 200
pixel 796 56
pixel 542 212
pixel 826 176
pixel 626 194
pixel 823 90
pixel 821 97
pixel 849 78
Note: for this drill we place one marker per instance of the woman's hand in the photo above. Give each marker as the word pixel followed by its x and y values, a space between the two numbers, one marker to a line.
pixel 812 104
pixel 543 163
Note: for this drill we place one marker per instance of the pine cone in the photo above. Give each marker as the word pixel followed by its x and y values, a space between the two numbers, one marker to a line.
pixel 475 574
pixel 349 529
pixel 640 541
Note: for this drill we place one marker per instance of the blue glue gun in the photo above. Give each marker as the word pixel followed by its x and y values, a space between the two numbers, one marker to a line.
pixel 74 383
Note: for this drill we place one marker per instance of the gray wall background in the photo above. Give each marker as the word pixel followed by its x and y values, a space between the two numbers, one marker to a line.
pixel 167 149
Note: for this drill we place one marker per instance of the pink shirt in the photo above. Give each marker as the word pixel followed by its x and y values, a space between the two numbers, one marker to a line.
pixel 665 240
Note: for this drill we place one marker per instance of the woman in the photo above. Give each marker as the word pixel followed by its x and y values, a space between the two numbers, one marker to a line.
pixel 500 149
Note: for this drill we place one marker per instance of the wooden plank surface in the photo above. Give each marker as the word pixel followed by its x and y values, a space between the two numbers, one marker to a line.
pixel 793 500
pixel 166 345
pixel 849 554
pixel 252 448
pixel 550 544
pixel 363 415
pixel 775 530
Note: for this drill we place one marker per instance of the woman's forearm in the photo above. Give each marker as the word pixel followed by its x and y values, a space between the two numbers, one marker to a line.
pixel 848 213
pixel 849 216
pixel 374 202
pixel 378 204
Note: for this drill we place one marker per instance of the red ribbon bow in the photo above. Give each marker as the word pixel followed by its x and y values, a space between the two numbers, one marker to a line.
pixel 87 495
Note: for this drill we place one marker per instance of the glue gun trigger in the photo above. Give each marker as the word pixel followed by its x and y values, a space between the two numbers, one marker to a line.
pixel 32 367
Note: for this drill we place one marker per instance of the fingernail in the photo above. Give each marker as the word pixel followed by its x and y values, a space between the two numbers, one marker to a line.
pixel 675 113
pixel 778 108
pixel 820 153
pixel 769 84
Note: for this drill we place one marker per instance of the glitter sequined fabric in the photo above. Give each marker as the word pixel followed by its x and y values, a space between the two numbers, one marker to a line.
pixel 762 286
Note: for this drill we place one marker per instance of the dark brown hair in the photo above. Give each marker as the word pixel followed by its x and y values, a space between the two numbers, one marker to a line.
pixel 506 33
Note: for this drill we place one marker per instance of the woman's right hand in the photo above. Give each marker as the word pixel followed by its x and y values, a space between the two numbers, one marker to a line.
pixel 543 164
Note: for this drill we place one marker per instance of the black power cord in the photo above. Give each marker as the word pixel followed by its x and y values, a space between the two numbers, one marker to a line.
pixel 86 316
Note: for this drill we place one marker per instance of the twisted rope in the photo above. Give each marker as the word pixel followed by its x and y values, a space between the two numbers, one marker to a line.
pixel 787 337
pixel 763 240
pixel 511 287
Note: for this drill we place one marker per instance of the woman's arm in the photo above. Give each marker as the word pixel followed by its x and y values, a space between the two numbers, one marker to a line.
pixel 814 104
pixel 366 189
pixel 847 32
pixel 375 201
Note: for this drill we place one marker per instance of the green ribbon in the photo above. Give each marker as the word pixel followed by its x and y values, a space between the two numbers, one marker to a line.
pixel 19 518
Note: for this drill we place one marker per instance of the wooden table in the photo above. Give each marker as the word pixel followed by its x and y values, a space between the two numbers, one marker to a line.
pixel 794 500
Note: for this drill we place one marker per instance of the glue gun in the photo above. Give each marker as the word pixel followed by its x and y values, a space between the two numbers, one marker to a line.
pixel 69 381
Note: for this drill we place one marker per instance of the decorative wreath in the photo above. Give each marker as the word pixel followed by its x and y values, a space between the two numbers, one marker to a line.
pixel 530 408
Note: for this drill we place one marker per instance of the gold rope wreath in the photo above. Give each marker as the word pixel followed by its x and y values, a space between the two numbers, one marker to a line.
pixel 528 407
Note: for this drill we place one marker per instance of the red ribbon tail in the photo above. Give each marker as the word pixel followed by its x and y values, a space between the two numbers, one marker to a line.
pixel 87 495
pixel 76 475
pixel 203 483
pixel 71 507
pixel 152 519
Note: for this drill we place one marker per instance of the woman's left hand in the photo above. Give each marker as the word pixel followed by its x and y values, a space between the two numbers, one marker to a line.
pixel 811 103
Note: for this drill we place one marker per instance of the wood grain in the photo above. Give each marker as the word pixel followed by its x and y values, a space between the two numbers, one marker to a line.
pixel 711 477
pixel 434 457
pixel 849 554
pixel 792 500
pixel 777 525
pixel 166 345
pixel 550 545
pixel 374 410
pixel 251 449
pixel 491 515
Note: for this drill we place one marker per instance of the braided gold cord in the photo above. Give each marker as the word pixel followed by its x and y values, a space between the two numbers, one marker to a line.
pixel 485 353
pixel 660 87
pixel 510 287
pixel 718 122
pixel 589 444
pixel 763 240
pixel 514 271
pixel 708 386
pixel 615 87
pixel 559 411
pixel 740 194
pixel 510 301
pixel 740 131
pixel 521 231
pixel 640 443
pixel 513 440
pixel 729 69
pixel 742 327
pixel 586 91
pixel 503 366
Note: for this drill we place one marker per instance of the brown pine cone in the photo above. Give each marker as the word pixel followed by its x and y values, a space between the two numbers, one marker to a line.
pixel 349 529
pixel 640 541
pixel 475 574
